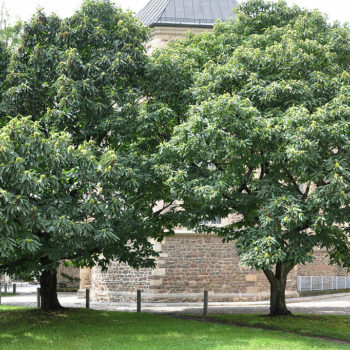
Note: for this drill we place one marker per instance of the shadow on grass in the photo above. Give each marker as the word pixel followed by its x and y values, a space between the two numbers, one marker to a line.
pixel 101 330
pixel 331 326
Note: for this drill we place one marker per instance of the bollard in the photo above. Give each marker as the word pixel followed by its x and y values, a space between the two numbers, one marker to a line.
pixel 14 288
pixel 38 298
pixel 138 301
pixel 205 304
pixel 5 289
pixel 88 298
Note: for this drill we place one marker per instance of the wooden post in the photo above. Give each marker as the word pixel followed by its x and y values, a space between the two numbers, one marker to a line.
pixel 88 298
pixel 38 297
pixel 205 304
pixel 14 288
pixel 5 291
pixel 138 301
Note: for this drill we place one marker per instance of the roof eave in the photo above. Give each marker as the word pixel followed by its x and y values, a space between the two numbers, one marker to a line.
pixel 187 25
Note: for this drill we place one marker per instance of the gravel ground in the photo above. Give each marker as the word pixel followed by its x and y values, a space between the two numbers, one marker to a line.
pixel 336 304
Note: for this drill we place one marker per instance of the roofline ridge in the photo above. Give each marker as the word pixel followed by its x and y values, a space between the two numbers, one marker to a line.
pixel 145 14
pixel 203 12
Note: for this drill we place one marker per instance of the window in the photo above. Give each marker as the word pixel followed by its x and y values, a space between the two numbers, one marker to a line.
pixel 215 222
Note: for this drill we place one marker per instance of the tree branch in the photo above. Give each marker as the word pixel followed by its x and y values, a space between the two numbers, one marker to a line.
pixel 158 212
pixel 307 190
pixel 269 275
pixel 291 178
pixel 244 185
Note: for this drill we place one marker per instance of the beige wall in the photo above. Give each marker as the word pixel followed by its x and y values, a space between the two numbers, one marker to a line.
pixel 161 35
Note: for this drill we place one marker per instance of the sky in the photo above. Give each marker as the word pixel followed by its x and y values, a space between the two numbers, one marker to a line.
pixel 335 9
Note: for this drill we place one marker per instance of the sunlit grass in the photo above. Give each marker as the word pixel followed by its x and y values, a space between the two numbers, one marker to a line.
pixel 32 329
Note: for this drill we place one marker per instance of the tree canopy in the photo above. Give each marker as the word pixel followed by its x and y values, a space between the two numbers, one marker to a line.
pixel 80 74
pixel 265 135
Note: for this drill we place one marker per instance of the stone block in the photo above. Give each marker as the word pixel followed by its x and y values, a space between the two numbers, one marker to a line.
pixel 156 282
pixel 251 278
pixel 252 290
pixel 159 272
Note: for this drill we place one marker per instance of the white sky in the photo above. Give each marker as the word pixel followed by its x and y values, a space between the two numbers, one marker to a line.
pixel 336 9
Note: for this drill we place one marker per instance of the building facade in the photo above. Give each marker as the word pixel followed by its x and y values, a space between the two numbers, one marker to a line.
pixel 190 263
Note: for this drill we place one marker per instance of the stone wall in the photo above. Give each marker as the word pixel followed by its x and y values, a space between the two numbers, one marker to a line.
pixel 161 35
pixel 119 283
pixel 321 266
pixel 71 271
pixel 188 265
pixel 193 263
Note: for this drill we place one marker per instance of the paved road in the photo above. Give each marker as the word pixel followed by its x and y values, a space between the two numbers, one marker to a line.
pixel 338 304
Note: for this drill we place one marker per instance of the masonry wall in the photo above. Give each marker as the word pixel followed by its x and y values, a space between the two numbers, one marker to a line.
pixel 321 266
pixel 188 265
pixel 71 271
pixel 119 283
pixel 192 263
pixel 161 35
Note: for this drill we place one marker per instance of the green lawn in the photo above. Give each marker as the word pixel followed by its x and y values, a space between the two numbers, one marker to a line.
pixel 333 326
pixel 31 329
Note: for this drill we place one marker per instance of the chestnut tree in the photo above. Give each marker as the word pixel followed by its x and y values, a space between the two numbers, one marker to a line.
pixel 265 135
pixel 72 186
pixel 60 201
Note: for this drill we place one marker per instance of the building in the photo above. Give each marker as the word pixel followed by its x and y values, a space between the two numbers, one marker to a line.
pixel 190 263
pixel 171 19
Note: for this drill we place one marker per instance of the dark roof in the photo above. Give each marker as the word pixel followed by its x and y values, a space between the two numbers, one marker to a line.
pixel 194 13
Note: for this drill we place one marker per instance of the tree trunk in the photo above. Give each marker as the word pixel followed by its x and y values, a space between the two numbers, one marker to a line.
pixel 48 288
pixel 278 283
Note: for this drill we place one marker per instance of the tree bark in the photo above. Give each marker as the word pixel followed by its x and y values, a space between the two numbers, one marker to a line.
pixel 278 283
pixel 48 290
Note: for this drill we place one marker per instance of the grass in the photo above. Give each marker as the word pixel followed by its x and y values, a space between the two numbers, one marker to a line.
pixel 8 294
pixel 80 329
pixel 332 326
